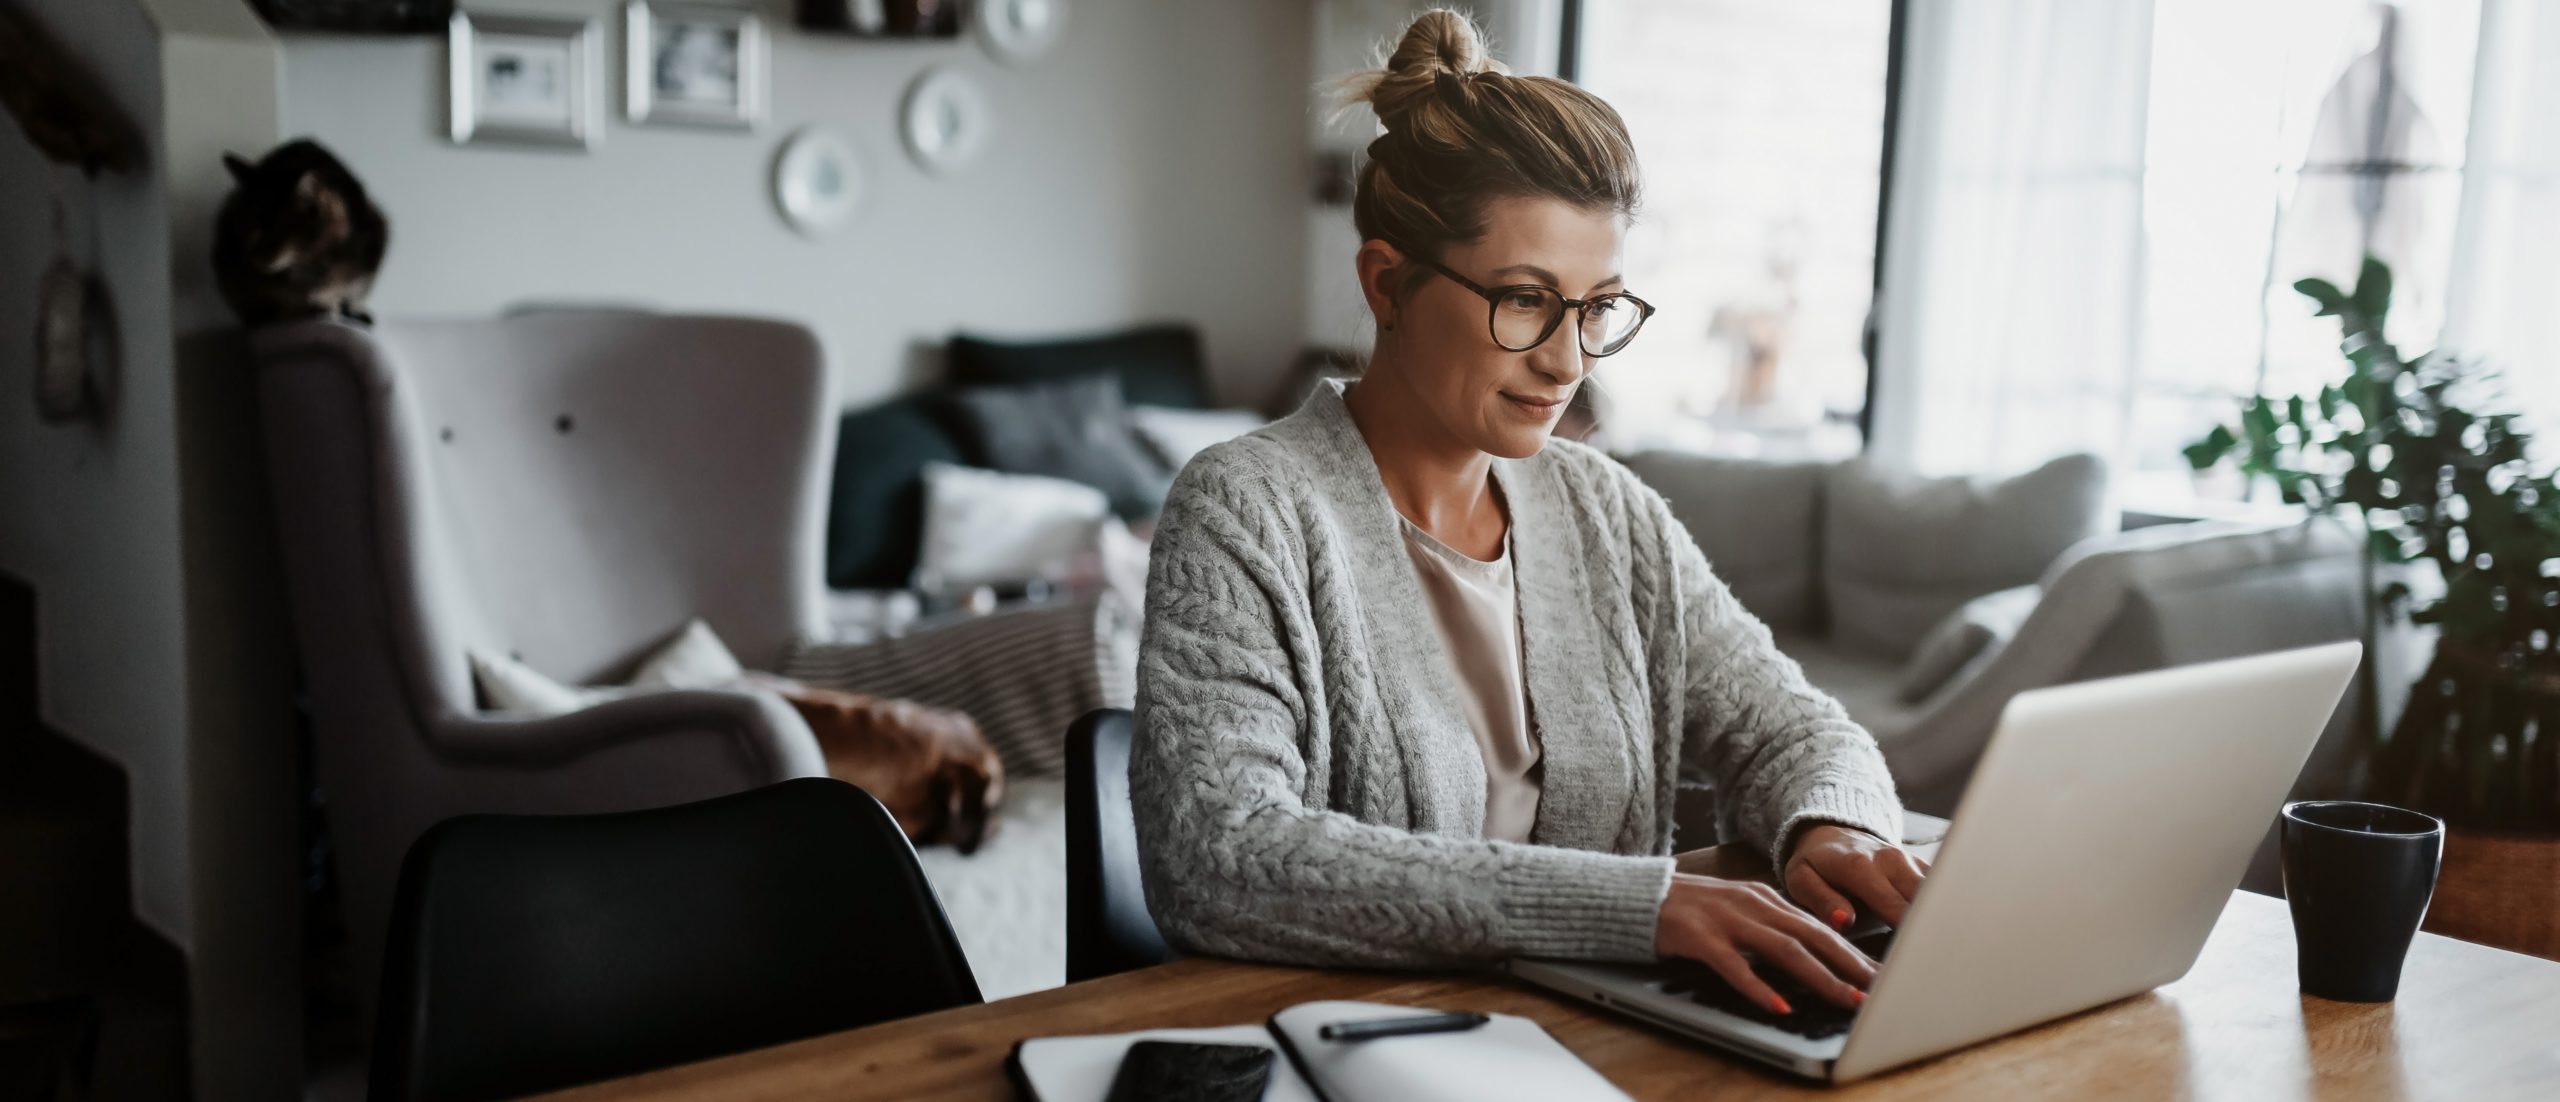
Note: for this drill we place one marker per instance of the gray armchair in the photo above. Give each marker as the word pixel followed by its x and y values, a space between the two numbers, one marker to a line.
pixel 567 487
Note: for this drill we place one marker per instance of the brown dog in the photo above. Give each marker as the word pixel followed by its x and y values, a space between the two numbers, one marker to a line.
pixel 929 766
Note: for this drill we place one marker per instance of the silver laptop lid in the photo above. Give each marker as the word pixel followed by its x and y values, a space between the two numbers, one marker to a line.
pixel 2100 838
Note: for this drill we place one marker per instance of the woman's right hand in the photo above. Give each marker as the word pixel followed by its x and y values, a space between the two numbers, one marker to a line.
pixel 1716 922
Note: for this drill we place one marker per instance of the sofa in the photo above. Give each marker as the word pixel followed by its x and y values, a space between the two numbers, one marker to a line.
pixel 1856 570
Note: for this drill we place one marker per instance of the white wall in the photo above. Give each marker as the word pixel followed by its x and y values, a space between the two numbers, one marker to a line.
pixel 145 535
pixel 1353 35
pixel 89 512
pixel 1151 166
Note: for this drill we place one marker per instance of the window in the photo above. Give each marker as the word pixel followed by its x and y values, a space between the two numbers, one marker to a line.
pixel 2100 210
pixel 1760 124
pixel 2288 140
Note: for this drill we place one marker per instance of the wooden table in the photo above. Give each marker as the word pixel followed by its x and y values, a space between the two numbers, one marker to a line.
pixel 2471 1022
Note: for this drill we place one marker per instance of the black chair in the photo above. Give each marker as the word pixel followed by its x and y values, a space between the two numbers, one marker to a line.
pixel 529 953
pixel 1108 928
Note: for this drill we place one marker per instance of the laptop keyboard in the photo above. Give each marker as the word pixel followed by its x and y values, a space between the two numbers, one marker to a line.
pixel 1815 1017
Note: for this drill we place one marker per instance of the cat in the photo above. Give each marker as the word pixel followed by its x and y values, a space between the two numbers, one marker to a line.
pixel 297 238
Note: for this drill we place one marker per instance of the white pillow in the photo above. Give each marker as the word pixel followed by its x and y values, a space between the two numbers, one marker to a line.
pixel 1176 434
pixel 694 659
pixel 985 527
pixel 513 687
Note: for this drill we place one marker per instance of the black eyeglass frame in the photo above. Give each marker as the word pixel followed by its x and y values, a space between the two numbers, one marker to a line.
pixel 1493 304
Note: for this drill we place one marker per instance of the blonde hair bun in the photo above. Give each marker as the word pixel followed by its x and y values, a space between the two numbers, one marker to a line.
pixel 1462 131
pixel 1441 46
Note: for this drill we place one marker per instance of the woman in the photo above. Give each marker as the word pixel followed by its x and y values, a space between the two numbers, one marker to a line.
pixel 1417 680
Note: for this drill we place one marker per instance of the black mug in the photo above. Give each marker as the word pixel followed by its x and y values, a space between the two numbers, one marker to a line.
pixel 2358 877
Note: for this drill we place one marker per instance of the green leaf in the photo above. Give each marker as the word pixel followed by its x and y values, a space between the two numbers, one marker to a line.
pixel 2386 546
pixel 2203 454
pixel 2331 299
pixel 2373 291
pixel 2358 389
pixel 2290 483
pixel 2258 420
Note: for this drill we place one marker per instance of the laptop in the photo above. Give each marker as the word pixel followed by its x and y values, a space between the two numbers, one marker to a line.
pixel 2099 841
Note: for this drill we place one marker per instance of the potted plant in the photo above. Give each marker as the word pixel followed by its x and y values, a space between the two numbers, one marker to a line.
pixel 2412 449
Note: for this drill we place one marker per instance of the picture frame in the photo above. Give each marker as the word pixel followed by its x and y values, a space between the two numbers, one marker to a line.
pixel 690 64
pixel 523 79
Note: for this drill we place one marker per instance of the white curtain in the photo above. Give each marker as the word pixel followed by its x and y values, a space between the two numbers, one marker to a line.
pixel 2010 315
pixel 2503 300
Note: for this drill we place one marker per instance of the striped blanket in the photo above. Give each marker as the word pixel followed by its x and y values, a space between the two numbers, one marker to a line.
pixel 1024 674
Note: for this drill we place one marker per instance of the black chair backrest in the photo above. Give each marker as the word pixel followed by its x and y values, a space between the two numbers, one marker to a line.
pixel 529 953
pixel 1108 927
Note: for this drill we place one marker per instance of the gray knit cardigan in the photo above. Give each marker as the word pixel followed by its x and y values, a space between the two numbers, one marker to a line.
pixel 1305 784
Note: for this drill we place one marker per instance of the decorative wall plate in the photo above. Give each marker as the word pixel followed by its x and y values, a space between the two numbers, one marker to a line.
pixel 944 120
pixel 76 346
pixel 817 182
pixel 1016 31
pixel 62 344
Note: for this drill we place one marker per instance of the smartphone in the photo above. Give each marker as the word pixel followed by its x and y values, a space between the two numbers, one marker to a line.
pixel 1178 1071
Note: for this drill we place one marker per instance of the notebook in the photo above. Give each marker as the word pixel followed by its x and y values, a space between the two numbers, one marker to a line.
pixel 1509 1057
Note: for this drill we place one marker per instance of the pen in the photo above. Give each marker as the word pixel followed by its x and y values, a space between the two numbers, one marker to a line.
pixel 1398 1027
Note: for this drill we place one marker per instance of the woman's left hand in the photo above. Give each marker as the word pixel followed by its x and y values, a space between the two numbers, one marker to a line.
pixel 1832 866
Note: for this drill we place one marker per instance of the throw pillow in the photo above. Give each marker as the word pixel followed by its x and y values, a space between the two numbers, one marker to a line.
pixel 986 527
pixel 875 505
pixel 1160 365
pixel 1175 435
pixel 507 685
pixel 1967 637
pixel 1900 551
pixel 694 659
pixel 1076 429
pixel 1754 520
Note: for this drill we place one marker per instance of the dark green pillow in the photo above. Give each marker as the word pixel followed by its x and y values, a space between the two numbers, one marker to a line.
pixel 1158 365
pixel 875 512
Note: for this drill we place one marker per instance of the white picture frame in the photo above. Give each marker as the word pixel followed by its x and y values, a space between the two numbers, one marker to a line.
pixel 699 65
pixel 522 79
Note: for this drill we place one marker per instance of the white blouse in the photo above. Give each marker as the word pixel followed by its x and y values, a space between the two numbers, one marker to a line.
pixel 1476 608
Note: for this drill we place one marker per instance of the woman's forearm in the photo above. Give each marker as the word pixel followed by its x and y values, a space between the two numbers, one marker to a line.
pixel 1235 864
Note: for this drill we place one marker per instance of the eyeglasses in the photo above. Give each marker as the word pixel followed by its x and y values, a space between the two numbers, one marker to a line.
pixel 1524 315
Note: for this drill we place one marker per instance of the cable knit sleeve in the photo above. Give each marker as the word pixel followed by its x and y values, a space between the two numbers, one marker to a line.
pixel 1234 858
pixel 1782 752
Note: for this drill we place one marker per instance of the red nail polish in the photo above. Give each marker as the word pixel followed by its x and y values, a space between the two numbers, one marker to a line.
pixel 1840 919
pixel 1858 998
pixel 1779 1005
